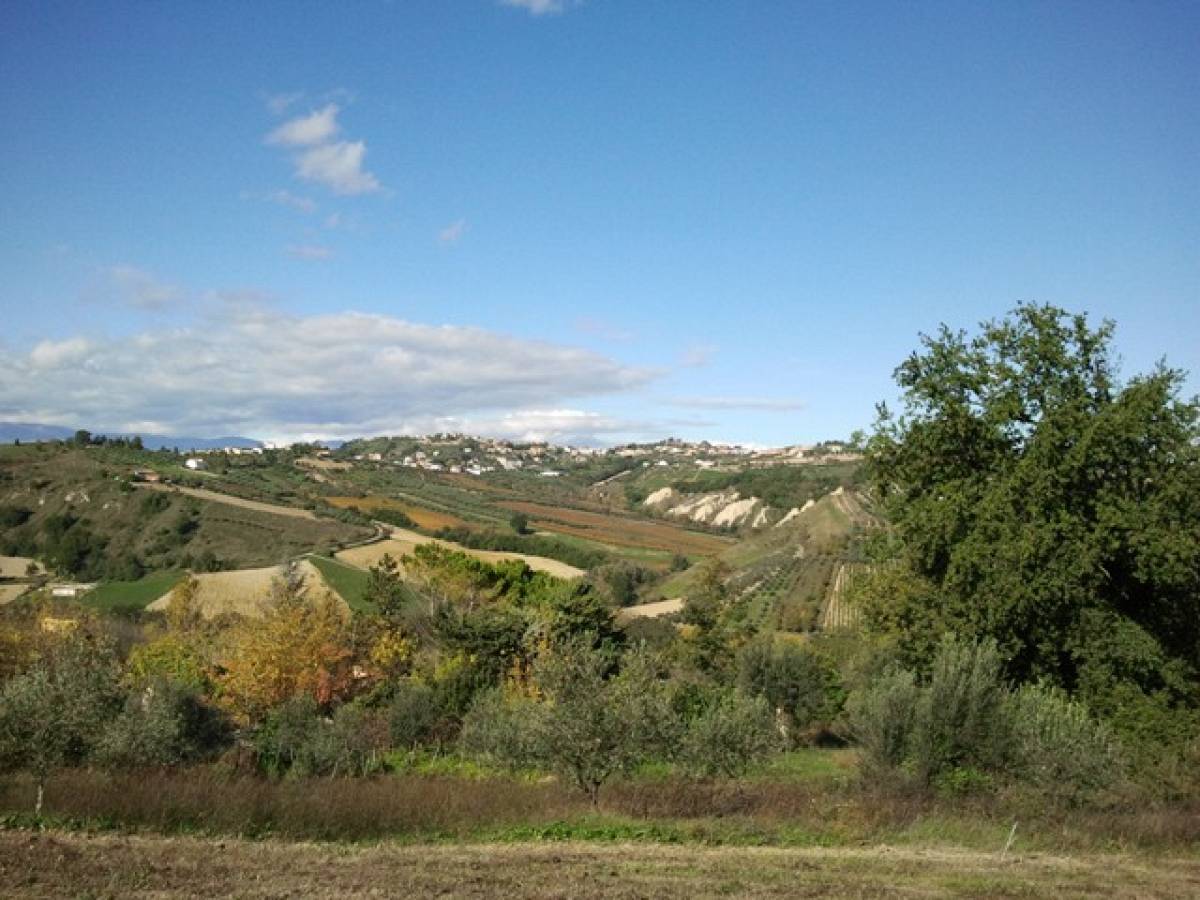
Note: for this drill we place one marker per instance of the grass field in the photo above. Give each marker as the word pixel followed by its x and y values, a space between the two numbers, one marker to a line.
pixel 349 582
pixel 58 864
pixel 114 596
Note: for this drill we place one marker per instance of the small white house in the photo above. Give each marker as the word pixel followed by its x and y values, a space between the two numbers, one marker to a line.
pixel 195 463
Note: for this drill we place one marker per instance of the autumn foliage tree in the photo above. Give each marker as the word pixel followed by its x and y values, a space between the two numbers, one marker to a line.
pixel 303 646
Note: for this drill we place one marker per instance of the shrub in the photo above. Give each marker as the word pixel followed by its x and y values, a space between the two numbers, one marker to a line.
pixel 881 719
pixel 729 736
pixel 585 726
pixel 1058 746
pixel 413 715
pixel 164 724
pixel 348 744
pixel 794 680
pixel 960 720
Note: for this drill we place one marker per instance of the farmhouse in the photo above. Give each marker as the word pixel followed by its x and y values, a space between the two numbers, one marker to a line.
pixel 195 464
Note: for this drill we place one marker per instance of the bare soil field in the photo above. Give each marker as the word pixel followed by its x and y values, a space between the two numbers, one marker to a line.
pixel 425 518
pixel 650 610
pixel 16 566
pixel 10 592
pixel 619 530
pixel 403 542
pixel 230 500
pixel 59 864
pixel 242 591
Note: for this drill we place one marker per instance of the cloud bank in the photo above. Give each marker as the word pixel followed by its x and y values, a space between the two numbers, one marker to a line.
pixel 273 375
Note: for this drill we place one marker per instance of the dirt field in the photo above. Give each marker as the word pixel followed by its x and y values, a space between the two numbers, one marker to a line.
pixel 425 518
pixel 15 566
pixel 403 542
pixel 10 592
pixel 242 591
pixel 619 530
pixel 229 500
pixel 650 610
pixel 58 864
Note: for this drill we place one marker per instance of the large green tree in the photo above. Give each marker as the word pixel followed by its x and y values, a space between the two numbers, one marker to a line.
pixel 1037 500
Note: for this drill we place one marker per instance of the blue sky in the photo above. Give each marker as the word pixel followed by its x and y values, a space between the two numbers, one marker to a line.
pixel 594 220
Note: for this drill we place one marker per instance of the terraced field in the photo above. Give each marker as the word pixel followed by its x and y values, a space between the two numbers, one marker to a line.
pixel 838 611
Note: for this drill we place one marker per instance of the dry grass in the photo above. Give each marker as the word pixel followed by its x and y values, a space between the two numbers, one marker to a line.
pixel 403 542
pixel 57 864
pixel 425 518
pixel 242 591
pixel 619 530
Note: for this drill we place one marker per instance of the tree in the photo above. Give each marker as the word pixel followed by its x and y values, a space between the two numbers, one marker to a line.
pixel 82 438
pixel 54 714
pixel 1037 501
pixel 582 724
pixel 301 646
pixel 729 736
pixel 519 522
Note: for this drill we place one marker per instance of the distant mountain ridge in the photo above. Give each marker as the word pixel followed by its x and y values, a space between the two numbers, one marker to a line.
pixel 28 432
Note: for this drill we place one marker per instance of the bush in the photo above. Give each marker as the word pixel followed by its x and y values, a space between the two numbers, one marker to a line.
pixel 348 744
pixel 297 739
pixel 731 735
pixel 961 719
pixel 794 680
pixel 165 724
pixel 957 719
pixel 585 726
pixel 1058 746
pixel 881 718
pixel 413 715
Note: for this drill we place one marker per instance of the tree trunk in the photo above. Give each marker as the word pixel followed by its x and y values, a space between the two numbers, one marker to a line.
pixel 41 793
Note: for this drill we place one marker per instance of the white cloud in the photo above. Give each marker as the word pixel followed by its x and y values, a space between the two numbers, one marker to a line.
pixel 293 201
pixel 309 251
pixel 138 288
pixel 56 354
pixel 319 158
pixel 304 131
pixel 747 403
pixel 278 103
pixel 452 232
pixel 697 356
pixel 256 371
pixel 338 166
pixel 538 7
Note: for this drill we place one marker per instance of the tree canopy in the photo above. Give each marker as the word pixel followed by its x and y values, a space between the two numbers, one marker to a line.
pixel 1039 501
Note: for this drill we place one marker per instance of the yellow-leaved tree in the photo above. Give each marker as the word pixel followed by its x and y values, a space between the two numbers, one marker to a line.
pixel 303 646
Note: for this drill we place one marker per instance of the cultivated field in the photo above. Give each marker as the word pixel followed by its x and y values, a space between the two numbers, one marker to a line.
pixel 838 612
pixel 619 530
pixel 425 518
pixel 402 542
pixel 60 864
pixel 243 591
